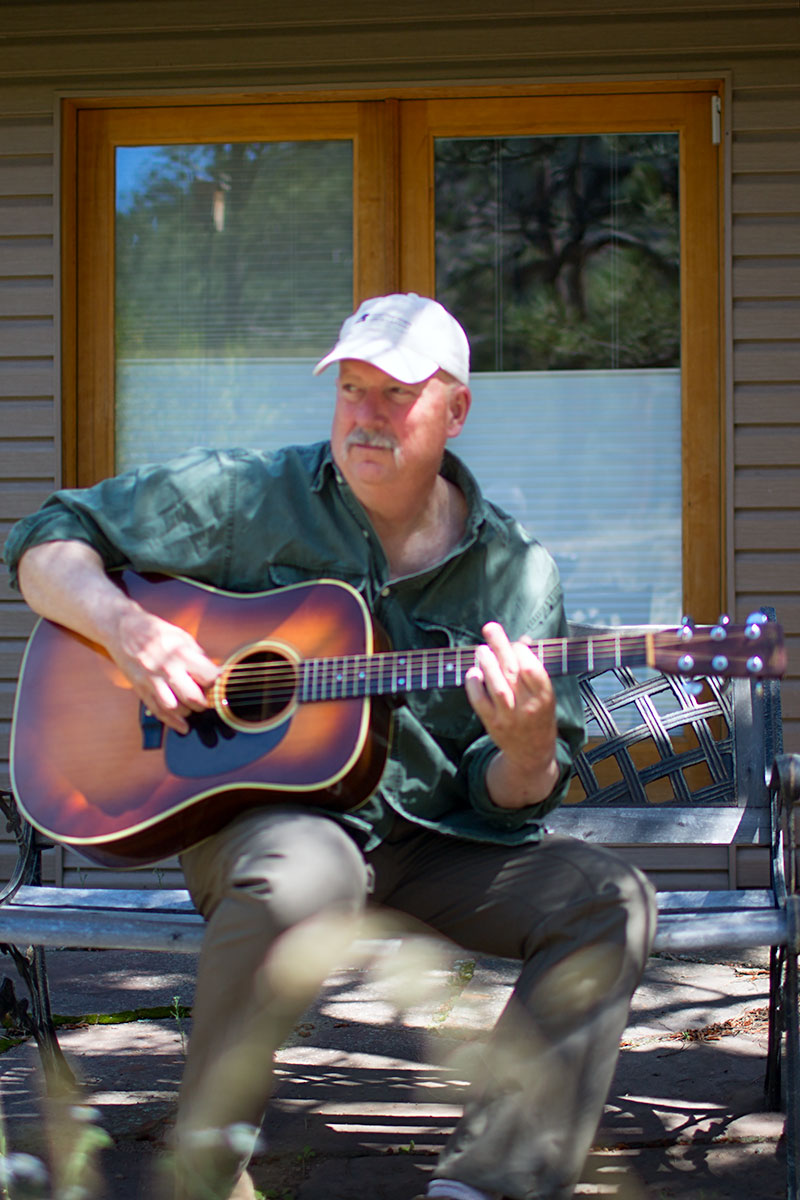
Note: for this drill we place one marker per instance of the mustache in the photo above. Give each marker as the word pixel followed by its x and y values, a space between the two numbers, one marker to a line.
pixel 370 437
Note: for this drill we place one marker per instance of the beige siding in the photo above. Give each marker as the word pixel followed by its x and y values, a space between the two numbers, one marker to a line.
pixel 124 45
pixel 765 202
pixel 27 348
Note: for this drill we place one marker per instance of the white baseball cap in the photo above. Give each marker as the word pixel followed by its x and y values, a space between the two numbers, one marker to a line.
pixel 410 337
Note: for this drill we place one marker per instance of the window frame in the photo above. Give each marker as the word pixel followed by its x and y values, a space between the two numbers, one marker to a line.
pixel 687 113
pixel 92 134
pixel 393 135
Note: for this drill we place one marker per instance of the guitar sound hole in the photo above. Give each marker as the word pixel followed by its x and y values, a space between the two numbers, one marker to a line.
pixel 260 687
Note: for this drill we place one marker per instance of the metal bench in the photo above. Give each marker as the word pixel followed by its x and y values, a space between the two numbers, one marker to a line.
pixel 666 767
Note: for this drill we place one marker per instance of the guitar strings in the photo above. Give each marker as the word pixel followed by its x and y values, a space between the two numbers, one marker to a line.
pixel 439 665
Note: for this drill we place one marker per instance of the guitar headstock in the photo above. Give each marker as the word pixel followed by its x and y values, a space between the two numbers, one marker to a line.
pixel 738 651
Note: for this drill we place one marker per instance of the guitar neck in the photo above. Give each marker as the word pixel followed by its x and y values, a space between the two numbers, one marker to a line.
pixel 361 675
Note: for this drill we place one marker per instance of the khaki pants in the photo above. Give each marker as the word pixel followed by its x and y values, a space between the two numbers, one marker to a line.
pixel 580 921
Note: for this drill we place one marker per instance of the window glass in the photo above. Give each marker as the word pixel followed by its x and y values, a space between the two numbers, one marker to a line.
pixel 234 268
pixel 560 255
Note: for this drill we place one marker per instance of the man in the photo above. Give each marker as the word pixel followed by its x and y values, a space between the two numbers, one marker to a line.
pixel 452 836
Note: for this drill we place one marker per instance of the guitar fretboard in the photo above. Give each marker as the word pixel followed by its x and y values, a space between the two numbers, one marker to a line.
pixel 360 675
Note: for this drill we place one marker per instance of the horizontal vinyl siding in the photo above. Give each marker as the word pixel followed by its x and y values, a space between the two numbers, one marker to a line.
pixel 247 45
pixel 765 201
pixel 27 348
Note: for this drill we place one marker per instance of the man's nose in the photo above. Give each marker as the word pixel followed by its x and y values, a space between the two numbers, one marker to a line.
pixel 371 402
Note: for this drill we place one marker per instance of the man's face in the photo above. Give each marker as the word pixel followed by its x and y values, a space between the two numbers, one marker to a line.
pixel 387 433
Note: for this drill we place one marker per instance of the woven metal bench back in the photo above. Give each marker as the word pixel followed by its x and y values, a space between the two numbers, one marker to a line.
pixel 652 742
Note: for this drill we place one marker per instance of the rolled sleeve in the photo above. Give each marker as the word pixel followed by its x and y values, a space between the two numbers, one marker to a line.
pixel 168 518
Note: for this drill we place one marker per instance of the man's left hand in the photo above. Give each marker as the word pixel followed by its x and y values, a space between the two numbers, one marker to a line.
pixel 512 694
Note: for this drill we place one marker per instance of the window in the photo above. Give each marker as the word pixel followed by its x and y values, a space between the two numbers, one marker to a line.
pixel 575 236
pixel 215 250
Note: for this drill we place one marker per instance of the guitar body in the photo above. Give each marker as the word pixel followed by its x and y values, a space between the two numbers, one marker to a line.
pixel 92 769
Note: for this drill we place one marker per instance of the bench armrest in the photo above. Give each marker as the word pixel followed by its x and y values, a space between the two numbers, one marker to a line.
pixel 785 781
pixel 28 867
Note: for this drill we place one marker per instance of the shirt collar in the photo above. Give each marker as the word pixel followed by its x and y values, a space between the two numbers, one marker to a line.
pixel 479 511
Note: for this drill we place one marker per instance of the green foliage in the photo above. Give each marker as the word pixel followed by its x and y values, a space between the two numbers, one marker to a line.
pixel 177 1011
pixel 304 1158
pixel 235 249
pixel 561 252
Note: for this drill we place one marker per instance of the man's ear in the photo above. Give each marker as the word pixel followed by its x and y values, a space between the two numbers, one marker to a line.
pixel 460 399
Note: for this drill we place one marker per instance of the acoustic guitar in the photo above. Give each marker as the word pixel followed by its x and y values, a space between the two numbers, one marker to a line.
pixel 300 712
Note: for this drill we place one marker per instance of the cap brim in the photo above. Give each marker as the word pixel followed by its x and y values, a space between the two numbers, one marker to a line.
pixel 405 365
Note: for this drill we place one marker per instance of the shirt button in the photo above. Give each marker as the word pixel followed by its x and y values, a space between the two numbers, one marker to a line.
pixel 386 591
pixel 365 532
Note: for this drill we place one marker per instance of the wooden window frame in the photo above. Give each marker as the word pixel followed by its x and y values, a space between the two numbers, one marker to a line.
pixel 92 135
pixel 687 113
pixel 393 136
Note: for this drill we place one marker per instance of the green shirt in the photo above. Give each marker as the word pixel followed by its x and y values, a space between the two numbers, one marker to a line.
pixel 248 522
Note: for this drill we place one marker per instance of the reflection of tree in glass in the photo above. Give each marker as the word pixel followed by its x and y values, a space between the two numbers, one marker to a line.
pixel 236 249
pixel 561 252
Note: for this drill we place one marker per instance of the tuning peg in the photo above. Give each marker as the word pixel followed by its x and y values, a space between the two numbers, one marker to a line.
pixel 720 630
pixel 692 686
pixel 753 625
pixel 686 631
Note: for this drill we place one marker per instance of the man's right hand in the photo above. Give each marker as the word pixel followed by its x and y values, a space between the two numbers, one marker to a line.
pixel 66 582
pixel 167 668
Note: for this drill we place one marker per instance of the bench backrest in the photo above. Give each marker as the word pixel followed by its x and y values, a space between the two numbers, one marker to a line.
pixel 665 767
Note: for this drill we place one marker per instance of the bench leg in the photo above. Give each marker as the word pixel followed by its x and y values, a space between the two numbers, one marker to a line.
pixel 773 1096
pixel 38 1021
pixel 791 1021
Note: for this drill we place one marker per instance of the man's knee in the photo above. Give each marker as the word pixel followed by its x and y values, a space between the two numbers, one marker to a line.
pixel 591 897
pixel 294 863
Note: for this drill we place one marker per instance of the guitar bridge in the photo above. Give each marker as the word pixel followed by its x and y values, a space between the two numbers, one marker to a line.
pixel 152 729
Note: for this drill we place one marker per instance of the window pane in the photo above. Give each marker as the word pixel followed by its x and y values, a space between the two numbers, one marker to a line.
pixel 234 265
pixel 561 257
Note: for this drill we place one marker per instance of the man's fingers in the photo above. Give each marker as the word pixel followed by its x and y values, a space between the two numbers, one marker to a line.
pixel 503 651
pixel 170 671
